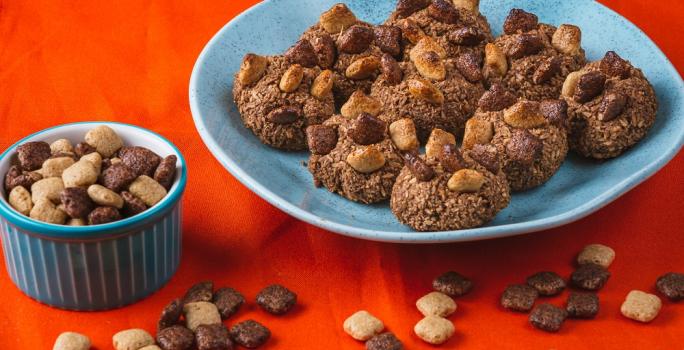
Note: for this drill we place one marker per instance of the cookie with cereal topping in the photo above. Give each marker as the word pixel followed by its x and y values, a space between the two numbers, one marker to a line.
pixel 612 106
pixel 278 99
pixel 533 59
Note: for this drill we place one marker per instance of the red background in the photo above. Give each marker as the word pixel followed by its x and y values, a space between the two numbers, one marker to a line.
pixel 130 61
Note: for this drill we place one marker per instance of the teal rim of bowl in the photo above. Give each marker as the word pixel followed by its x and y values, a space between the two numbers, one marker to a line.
pixel 94 231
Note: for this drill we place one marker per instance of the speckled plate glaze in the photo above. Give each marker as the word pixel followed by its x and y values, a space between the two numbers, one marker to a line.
pixel 580 188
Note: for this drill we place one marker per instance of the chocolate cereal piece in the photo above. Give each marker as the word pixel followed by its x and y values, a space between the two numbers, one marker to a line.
pixel 487 156
pixel 170 315
pixel 303 53
pixel 103 215
pixel 384 341
pixel 228 301
pixel 388 39
pixel 497 98
pixel 524 148
pixel 367 129
pixel 117 177
pixel 452 284
pixel 76 201
pixel 590 276
pixel 213 337
pixel 589 86
pixel 250 334
pixel 202 291
pixel 16 177
pixel 166 171
pixel 519 20
pixel 356 39
pixel 546 283
pixel 321 139
pixel 420 169
pixel 671 285
pixel 140 159
pixel 83 148
pixel 175 338
pixel 548 317
pixel 276 299
pixel 132 204
pixel 31 155
pixel 519 297
pixel 582 305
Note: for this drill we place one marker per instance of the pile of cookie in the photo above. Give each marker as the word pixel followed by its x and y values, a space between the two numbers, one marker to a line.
pixel 362 98
pixel 98 181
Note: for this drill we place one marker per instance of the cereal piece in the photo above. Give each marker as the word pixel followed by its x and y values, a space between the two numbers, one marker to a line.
pixel 104 139
pixel 324 46
pixel 83 148
pixel 284 115
pixel 228 301
pixel 420 169
pixel 612 105
pixel 94 158
pixel 358 103
pixel 366 159
pixel 548 317
pixel 367 130
pixel 589 86
pixel 424 90
pixel 76 222
pixel 520 21
pixel 388 39
pixel 71 341
pixel 452 161
pixel 355 39
pixel 20 199
pixel 15 177
pixel 524 115
pixel 276 299
pixel 598 254
pixel 82 174
pixel 477 131
pixel 466 36
pixel 547 69
pixel 337 19
pixel 640 306
pixel 582 305
pixel 436 142
pixel 363 68
pixel 555 111
pixel 105 197
pixel 140 159
pixel 148 190
pixel 54 167
pixel 323 84
pixel 430 66
pixel 103 215
pixel 199 313
pixel 406 8
pixel 76 202
pixel 132 339
pixel 519 297
pixel 117 177
pixel 213 337
pixel 468 64
pixel 590 276
pixel 470 5
pixel 171 314
pixel 302 53
pixel 546 283
pixel 362 325
pixel 436 304
pixel 466 181
pixel 252 69
pixel 567 39
pixel 250 334
pixel 202 291
pixel 452 284
pixel 434 330
pixel 614 66
pixel 46 211
pixel 132 204
pixel 150 347
pixel 403 134
pixel 671 285
pixel 49 189
pixel 426 44
pixel 31 155
pixel 166 171
pixel 525 45
pixel 443 11
pixel 384 341
pixel 61 146
pixel 291 79
pixel 496 99
pixel 321 139
pixel 496 63
pixel 175 338
pixel 487 156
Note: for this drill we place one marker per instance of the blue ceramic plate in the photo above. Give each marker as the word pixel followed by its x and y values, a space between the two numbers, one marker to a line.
pixel 580 187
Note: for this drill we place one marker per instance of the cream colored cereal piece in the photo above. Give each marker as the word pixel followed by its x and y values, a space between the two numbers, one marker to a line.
pixel 434 329
pixel 436 304
pixel 132 339
pixel 426 44
pixel 83 173
pixel 430 66
pixel 337 19
pixel 71 341
pixel 148 190
pixel 151 347
pixel 466 181
pixel 596 254
pixel 323 84
pixel 252 68
pixel 104 139
pixel 76 222
pixel 366 159
pixel 49 188
pixel 20 200
pixel 61 146
pixel 436 142
pixel 359 103
pixel 524 115
pixel 640 306
pixel 292 78
pixel 46 211
pixel 403 134
pixel 424 90
pixel 477 131
pixel 411 30
pixel 105 197
pixel 362 325
pixel 54 167
pixel 570 84
pixel 470 5
pixel 362 68
pixel 115 160
pixel 95 158
pixel 200 313
pixel 567 39
pixel 496 63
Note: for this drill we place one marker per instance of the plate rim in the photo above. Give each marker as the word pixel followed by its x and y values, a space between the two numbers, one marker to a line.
pixel 480 233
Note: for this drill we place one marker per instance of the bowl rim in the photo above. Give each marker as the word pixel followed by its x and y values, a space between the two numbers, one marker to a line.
pixel 95 231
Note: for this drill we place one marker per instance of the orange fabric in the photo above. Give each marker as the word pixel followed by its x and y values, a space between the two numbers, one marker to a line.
pixel 130 61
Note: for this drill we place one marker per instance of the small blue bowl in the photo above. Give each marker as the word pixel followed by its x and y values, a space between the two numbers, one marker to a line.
pixel 97 267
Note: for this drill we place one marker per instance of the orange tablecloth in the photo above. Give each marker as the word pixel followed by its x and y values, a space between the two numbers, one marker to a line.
pixel 130 61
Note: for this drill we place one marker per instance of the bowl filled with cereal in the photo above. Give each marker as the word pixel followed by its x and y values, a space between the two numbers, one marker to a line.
pixel 90 214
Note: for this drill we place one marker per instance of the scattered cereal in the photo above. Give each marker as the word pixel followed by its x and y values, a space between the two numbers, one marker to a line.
pixel 103 215
pixel 548 317
pixel 228 301
pixel 54 167
pixel 46 211
pixel 61 146
pixel 202 291
pixel 582 305
pixel 276 299
pixel 590 276
pixel 434 329
pixel 384 341
pixel 171 314
pixel 132 339
pixel 71 341
pixel 199 313
pixel 81 174
pixel 452 284
pixel 546 283
pixel 250 334
pixel 640 306
pixel 213 337
pixel 519 297
pixel 596 254
pixel 362 325
pixel 436 304
pixel 671 285
pixel 175 338
pixel 31 155
pixel 76 202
